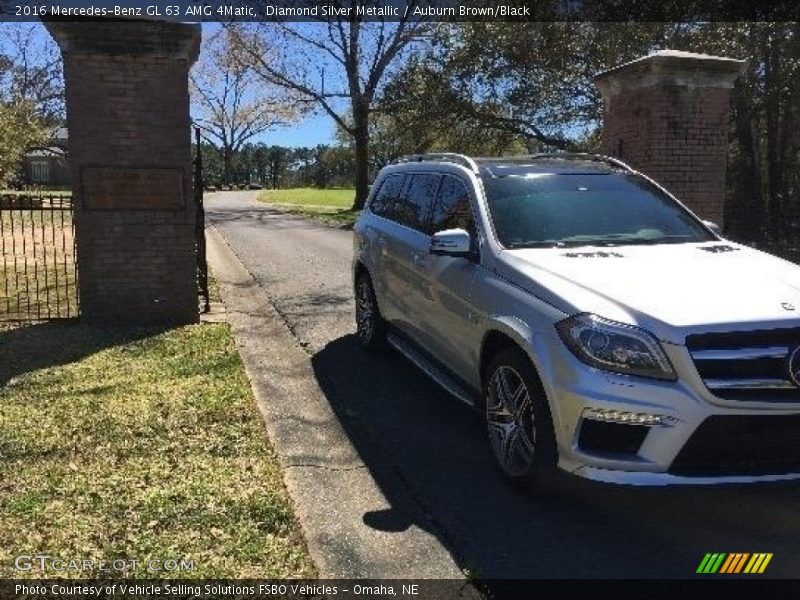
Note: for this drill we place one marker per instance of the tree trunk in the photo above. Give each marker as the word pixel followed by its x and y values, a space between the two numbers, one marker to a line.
pixel 744 213
pixel 274 175
pixel 774 163
pixel 361 139
pixel 227 162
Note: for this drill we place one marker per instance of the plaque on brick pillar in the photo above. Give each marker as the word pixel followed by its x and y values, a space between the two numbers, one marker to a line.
pixel 127 100
pixel 132 188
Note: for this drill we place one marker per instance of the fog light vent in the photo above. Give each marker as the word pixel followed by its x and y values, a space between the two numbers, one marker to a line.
pixel 605 437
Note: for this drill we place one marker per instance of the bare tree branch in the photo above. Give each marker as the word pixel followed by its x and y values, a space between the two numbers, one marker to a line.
pixel 231 103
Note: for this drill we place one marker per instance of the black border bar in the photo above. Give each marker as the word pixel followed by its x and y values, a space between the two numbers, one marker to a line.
pixel 417 10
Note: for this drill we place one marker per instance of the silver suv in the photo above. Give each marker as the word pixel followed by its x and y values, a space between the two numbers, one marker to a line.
pixel 600 325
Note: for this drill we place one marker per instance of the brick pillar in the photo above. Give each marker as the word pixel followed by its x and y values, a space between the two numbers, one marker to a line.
pixel 666 115
pixel 127 102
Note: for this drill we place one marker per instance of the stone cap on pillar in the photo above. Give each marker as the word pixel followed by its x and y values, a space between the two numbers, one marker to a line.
pixel 127 37
pixel 670 68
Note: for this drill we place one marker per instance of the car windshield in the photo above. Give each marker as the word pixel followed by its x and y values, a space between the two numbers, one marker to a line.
pixel 560 210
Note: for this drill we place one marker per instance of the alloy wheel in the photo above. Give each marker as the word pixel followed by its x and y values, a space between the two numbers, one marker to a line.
pixel 365 311
pixel 509 416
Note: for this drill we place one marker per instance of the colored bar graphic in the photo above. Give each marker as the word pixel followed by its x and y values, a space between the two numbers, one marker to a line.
pixel 753 564
pixel 723 563
pixel 764 564
pixel 734 563
pixel 758 563
pixel 703 563
pixel 740 564
pixel 716 565
pixel 729 562
pixel 711 562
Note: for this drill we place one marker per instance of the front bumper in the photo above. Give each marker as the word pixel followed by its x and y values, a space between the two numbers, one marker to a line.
pixel 644 478
pixel 576 390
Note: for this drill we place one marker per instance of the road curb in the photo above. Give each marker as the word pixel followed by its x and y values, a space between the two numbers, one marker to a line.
pixel 330 485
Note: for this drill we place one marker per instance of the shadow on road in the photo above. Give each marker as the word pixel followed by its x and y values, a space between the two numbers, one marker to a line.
pixel 411 434
pixel 276 218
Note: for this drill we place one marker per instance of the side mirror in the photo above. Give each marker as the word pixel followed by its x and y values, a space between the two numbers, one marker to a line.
pixel 713 227
pixel 451 242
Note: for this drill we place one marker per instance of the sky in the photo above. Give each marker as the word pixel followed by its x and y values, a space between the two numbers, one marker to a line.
pixel 314 130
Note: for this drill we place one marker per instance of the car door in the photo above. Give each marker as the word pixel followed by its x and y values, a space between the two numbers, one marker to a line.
pixel 450 320
pixel 407 244
pixel 375 242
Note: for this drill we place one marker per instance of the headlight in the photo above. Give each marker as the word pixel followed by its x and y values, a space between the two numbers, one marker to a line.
pixel 615 346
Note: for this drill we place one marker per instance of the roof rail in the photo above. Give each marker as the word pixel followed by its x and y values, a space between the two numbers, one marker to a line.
pixel 581 155
pixel 469 163
pixel 460 159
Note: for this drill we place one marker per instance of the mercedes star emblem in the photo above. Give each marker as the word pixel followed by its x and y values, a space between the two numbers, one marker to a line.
pixel 794 366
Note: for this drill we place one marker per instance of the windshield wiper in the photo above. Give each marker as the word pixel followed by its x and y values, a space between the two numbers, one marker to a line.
pixel 613 239
pixel 544 244
pixel 664 239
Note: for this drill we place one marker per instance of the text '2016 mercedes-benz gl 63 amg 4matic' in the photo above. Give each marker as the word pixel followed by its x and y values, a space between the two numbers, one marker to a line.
pixel 599 325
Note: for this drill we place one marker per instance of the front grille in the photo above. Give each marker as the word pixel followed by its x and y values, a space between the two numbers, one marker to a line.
pixel 747 366
pixel 741 445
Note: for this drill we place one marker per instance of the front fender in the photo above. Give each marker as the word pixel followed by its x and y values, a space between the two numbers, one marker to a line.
pixel 533 343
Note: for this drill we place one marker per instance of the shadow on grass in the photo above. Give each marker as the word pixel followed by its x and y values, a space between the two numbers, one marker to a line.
pixel 42 345
pixel 343 218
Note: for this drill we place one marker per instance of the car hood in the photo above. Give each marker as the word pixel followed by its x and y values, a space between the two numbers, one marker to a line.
pixel 670 289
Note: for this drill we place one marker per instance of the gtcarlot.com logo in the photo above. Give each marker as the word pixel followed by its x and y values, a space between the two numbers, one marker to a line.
pixel 54 564
pixel 734 563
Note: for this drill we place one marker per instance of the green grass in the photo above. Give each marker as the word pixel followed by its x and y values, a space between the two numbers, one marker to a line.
pixel 331 198
pixel 332 206
pixel 38 293
pixel 139 444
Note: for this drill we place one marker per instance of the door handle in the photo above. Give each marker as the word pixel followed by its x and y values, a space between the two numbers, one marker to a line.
pixel 419 260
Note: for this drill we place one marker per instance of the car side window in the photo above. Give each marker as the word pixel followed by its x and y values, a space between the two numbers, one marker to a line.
pixel 453 209
pixel 413 209
pixel 387 195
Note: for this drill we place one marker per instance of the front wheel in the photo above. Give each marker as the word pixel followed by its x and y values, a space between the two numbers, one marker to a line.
pixel 370 325
pixel 518 419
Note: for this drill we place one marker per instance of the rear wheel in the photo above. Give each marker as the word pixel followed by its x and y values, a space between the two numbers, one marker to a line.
pixel 518 419
pixel 370 326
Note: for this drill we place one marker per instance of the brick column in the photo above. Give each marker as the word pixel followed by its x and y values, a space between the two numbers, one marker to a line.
pixel 130 152
pixel 666 115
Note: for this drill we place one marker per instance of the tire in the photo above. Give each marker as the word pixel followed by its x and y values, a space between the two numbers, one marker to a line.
pixel 370 326
pixel 518 420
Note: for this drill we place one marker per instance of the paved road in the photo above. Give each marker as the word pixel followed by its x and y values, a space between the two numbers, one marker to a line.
pixel 437 445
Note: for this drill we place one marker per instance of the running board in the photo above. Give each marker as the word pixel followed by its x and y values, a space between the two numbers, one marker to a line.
pixel 447 383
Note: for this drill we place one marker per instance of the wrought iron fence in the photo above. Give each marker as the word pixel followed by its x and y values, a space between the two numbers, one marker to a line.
pixel 200 227
pixel 38 266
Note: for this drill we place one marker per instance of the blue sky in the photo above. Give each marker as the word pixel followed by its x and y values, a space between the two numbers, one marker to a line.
pixel 314 130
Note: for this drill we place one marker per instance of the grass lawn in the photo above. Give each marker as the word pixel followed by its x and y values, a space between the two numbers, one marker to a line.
pixel 329 205
pixel 139 444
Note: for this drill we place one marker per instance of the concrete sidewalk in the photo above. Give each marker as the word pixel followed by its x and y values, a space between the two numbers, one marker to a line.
pixel 328 481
